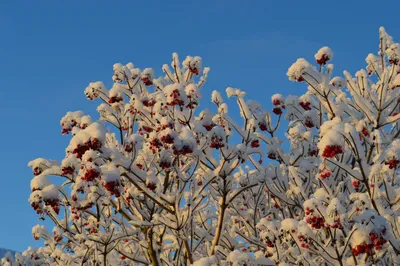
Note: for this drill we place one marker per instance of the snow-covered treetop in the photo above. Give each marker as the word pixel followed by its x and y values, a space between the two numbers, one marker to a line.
pixel 159 181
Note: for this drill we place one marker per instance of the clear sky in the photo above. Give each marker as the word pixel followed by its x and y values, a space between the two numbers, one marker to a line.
pixel 50 50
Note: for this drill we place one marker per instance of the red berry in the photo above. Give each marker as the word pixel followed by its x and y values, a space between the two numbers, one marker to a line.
pixel 332 150
pixel 365 132
pixel 151 186
pixel 305 105
pixel 194 70
pixel 276 102
pixel 147 81
pixel 114 99
pixel 277 111
pixel 309 123
pixel 323 60
pixel 313 153
pixel 262 126
pixel 255 143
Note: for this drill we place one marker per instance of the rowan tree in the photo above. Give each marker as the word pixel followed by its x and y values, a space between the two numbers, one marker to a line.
pixel 159 181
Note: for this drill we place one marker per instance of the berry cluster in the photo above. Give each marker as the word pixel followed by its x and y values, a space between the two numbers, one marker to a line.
pixel 217 142
pixel 145 129
pixel 57 237
pixel 69 170
pixel 113 187
pixel 313 153
pixel 80 150
pixel 356 184
pixel 392 163
pixel 194 70
pixel 167 124
pixel 337 224
pixel 316 221
pixel 152 186
pixel 37 206
pixel 324 173
pixel 90 174
pixel 66 129
pixel 37 171
pixel 155 145
pixel 115 99
pixel 364 131
pixel 175 94
pixel 148 102
pixel 276 102
pixel 263 126
pixel 168 138
pixel 93 230
pixel 255 143
pixel 270 244
pixel 277 110
pixel 304 241
pixel 90 227
pixel 75 214
pixel 146 80
pixel 133 110
pixel 323 59
pixel 54 203
pixel 332 150
pixel 393 60
pixel 193 102
pixel 362 248
pixel 128 147
pixel 305 105
pixel 308 122
pixel 165 164
pixel 209 126
pixel 278 107
pixel 377 239
pixel 272 155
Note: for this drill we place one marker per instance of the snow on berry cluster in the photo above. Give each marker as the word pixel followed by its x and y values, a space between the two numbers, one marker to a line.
pixel 158 181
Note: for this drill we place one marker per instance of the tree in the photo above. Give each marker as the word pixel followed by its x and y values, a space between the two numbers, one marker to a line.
pixel 156 181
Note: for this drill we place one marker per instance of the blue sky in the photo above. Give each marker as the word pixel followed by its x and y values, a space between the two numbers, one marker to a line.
pixel 50 51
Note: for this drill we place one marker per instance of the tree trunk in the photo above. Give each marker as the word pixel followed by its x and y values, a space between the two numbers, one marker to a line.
pixel 219 225
pixel 150 249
